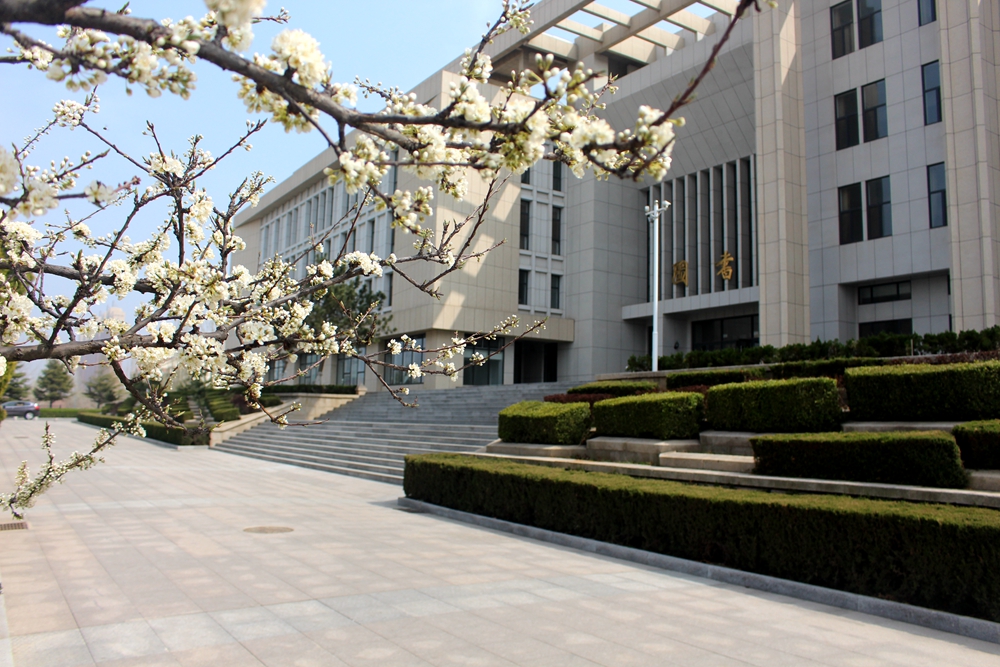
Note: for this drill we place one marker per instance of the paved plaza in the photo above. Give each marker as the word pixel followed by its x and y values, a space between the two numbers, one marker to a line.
pixel 145 561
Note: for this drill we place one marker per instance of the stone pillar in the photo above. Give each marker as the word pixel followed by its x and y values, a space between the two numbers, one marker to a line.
pixel 972 157
pixel 782 220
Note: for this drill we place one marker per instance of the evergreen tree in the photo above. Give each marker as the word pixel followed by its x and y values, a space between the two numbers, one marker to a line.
pixel 102 388
pixel 54 384
pixel 18 388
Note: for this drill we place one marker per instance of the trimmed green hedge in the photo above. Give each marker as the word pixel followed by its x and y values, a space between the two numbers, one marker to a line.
pixel 979 443
pixel 53 413
pixel 617 387
pixel 778 406
pixel 918 392
pixel 535 422
pixel 664 416
pixel 937 556
pixel 154 430
pixel 311 389
pixel 221 406
pixel 918 458
pixel 712 378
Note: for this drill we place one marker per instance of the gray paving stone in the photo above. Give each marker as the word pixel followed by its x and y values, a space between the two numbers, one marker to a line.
pixel 143 561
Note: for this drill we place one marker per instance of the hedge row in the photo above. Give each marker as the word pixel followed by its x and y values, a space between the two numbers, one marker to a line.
pixel 220 405
pixel 979 442
pixel 712 378
pixel 935 556
pixel 311 389
pixel 154 430
pixel 616 387
pixel 665 416
pixel 535 422
pixel 53 413
pixel 921 392
pixel 590 399
pixel 915 458
pixel 775 406
pixel 880 346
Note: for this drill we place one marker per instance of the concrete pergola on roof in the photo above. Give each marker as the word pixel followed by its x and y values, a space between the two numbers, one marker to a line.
pixel 635 36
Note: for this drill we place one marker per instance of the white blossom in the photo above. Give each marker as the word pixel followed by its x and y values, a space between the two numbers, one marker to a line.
pixel 9 172
pixel 162 164
pixel 98 193
pixel 69 113
pixel 299 51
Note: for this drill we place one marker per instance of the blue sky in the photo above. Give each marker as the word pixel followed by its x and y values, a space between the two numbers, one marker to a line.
pixel 393 41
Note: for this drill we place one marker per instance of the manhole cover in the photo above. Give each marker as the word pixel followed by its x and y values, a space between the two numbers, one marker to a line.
pixel 14 525
pixel 268 529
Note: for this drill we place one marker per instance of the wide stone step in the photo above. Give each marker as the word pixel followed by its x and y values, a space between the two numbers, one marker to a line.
pixel 359 438
pixel 526 449
pixel 719 462
pixel 375 451
pixel 635 450
pixel 387 476
pixel 359 461
pixel 880 427
pixel 735 443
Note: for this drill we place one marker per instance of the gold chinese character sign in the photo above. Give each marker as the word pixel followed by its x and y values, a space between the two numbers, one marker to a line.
pixel 725 266
pixel 680 276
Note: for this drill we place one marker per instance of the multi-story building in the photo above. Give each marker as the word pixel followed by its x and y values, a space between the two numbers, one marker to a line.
pixel 837 176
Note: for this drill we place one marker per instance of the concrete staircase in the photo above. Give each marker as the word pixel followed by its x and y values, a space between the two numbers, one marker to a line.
pixel 370 436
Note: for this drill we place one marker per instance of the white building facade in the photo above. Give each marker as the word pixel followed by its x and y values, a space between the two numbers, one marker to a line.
pixel 838 175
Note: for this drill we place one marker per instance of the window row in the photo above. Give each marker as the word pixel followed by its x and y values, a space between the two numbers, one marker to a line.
pixel 524 289
pixel 556 228
pixel 874 118
pixel 557 177
pixel 874 203
pixel 884 292
pixel 869 30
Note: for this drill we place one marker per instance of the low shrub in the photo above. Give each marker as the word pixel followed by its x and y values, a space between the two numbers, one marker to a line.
pixel 665 416
pixel 617 387
pixel 778 406
pixel 711 378
pixel 154 430
pixel 936 556
pixel 917 392
pixel 979 442
pixel 311 389
pixel 221 406
pixel 535 422
pixel 54 413
pixel 828 368
pixel 576 398
pixel 928 458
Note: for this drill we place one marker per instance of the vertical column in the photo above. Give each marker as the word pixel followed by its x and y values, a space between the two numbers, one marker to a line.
pixel 969 91
pixel 732 224
pixel 782 221
pixel 667 239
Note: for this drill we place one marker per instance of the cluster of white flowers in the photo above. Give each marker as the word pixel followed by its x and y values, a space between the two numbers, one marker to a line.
pixel 10 173
pixel 370 264
pixel 299 51
pixel 69 113
pixel 39 197
pixel 96 193
pixel 236 13
pixel 164 164
pixel 201 206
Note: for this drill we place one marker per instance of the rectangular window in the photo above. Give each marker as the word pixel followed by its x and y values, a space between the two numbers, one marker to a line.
pixel 937 199
pixel 842 23
pixel 557 173
pixel 525 224
pixel 866 329
pixel 490 372
pixel 526 176
pixel 264 237
pixel 851 216
pixel 556 230
pixel 869 22
pixel 522 287
pixel 932 93
pixel 371 236
pixel 555 285
pixel 885 292
pixel 322 209
pixel 388 290
pixel 397 376
pixel 875 119
pixel 927 10
pixel 846 105
pixel 879 208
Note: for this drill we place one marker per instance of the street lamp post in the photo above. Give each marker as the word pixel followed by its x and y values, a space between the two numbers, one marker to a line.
pixel 653 217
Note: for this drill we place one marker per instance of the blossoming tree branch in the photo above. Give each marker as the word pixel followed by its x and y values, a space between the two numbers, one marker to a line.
pixel 200 312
